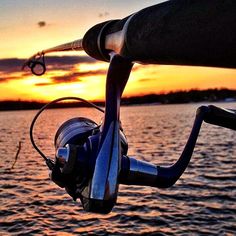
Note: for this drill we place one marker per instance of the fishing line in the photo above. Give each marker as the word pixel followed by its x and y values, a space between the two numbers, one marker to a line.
pixel 48 161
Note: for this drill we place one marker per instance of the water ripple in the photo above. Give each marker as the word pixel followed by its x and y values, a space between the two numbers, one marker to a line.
pixel 203 201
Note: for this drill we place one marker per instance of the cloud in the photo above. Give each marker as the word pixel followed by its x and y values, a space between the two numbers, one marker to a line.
pixel 41 24
pixel 11 65
pixel 8 78
pixel 43 84
pixel 3 80
pixel 103 14
pixel 145 80
pixel 67 60
pixel 71 77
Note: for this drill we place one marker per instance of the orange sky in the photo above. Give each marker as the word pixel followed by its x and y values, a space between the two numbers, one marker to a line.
pixel 27 27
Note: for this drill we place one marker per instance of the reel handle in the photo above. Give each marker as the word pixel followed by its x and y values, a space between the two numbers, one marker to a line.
pixel 137 172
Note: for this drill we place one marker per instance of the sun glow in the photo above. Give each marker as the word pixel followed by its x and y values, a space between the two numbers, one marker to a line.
pixel 88 80
pixel 146 79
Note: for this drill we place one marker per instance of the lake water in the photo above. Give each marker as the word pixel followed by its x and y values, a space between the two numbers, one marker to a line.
pixel 202 202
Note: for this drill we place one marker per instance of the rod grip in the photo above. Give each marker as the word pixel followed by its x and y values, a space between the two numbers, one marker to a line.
pixel 176 32
pixel 185 32
pixel 221 117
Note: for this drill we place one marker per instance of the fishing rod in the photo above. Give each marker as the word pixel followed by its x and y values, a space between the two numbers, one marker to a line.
pixel 91 160
pixel 176 32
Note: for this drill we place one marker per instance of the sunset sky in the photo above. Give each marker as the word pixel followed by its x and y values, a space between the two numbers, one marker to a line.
pixel 28 26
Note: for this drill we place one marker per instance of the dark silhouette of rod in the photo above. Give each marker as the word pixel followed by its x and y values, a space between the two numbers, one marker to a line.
pixel 176 32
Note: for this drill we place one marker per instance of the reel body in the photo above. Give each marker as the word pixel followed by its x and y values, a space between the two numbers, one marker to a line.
pixel 76 143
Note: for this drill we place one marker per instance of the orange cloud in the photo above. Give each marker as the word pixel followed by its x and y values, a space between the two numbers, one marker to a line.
pixel 71 77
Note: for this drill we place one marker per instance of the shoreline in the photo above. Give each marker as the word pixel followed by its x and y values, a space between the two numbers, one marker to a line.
pixel 179 97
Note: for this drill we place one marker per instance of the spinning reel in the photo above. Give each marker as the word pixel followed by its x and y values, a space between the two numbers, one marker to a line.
pixel 91 160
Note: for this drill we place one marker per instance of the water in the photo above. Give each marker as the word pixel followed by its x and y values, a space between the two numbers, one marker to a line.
pixel 203 201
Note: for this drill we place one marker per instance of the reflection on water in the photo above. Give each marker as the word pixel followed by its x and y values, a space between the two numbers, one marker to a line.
pixel 202 202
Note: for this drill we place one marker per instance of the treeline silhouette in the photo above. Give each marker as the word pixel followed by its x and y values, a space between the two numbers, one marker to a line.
pixel 191 96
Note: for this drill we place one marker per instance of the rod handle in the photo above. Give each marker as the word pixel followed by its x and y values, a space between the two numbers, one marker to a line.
pixel 177 32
